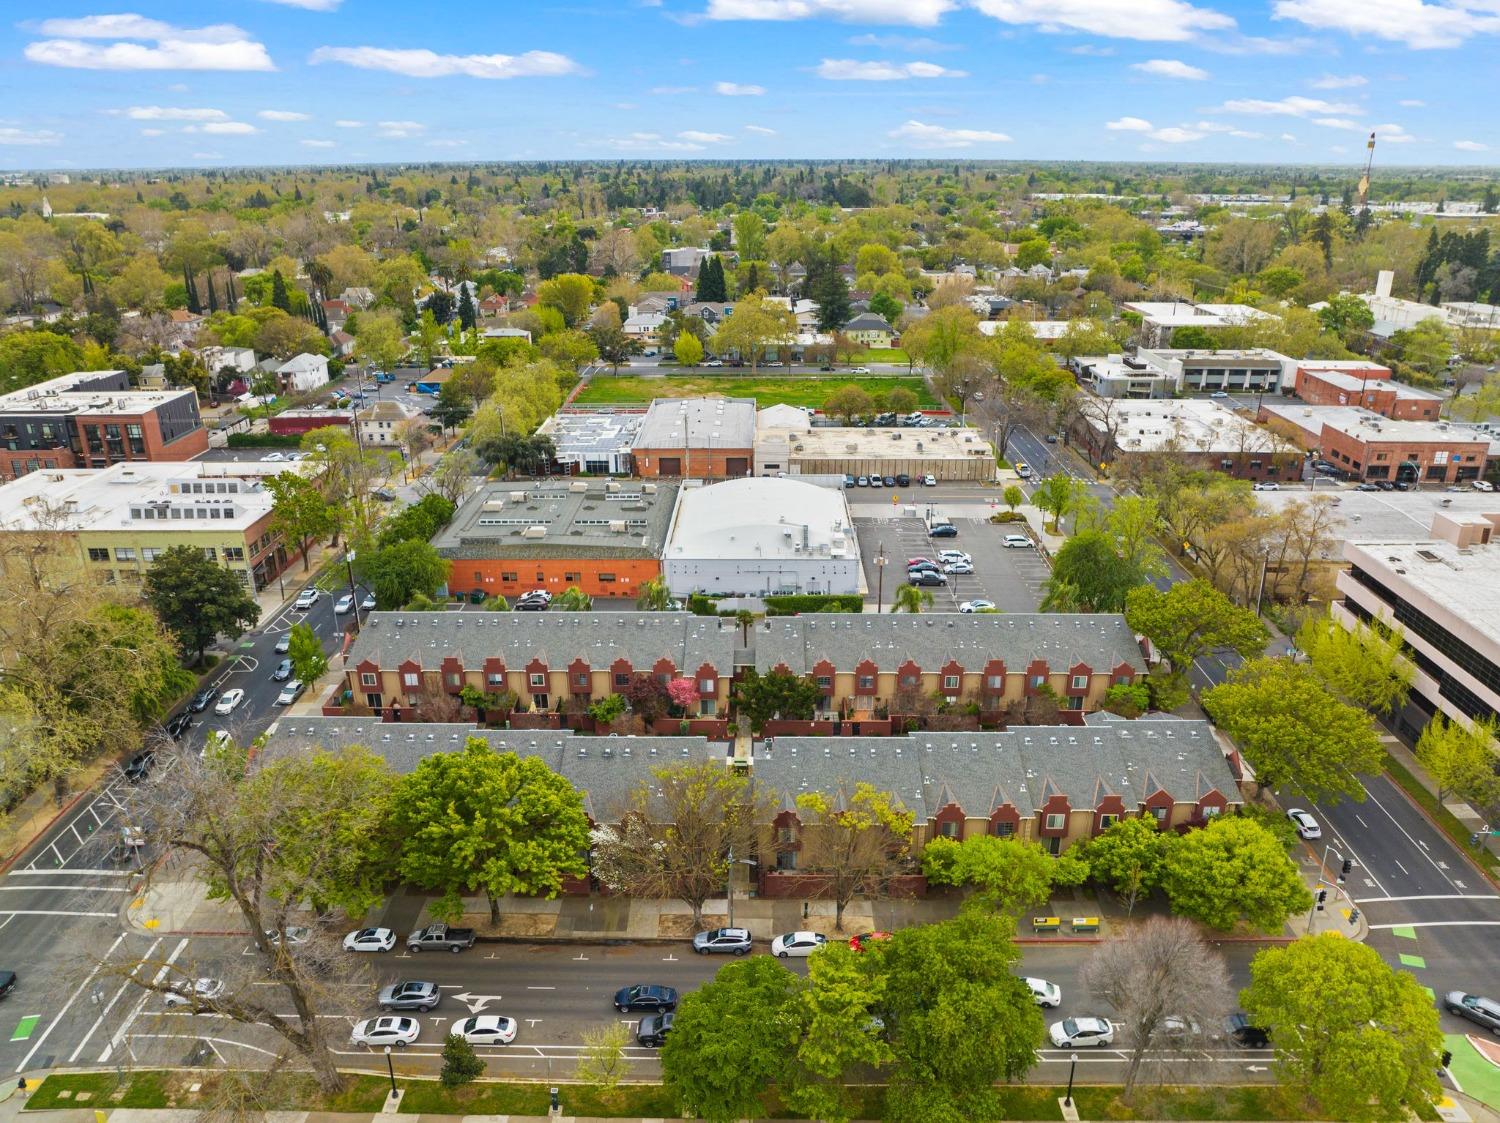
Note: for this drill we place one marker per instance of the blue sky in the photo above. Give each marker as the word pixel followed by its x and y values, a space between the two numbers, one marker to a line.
pixel 166 82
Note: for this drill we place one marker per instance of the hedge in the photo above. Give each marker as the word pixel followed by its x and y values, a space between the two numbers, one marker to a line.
pixel 794 604
pixel 264 440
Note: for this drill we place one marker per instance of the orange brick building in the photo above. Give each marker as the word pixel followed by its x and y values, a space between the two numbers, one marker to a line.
pixel 1395 400
pixel 697 438
pixel 1366 446
pixel 604 536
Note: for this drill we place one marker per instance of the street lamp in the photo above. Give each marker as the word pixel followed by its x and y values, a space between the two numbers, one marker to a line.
pixel 1067 1101
pixel 353 593
pixel 729 883
pixel 391 1068
pixel 880 563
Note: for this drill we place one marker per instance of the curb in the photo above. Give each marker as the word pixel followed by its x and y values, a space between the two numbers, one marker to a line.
pixel 1483 873
pixel 52 822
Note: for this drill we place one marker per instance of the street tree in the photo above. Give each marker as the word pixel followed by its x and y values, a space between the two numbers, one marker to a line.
pixel 603 1063
pixel 570 349
pixel 848 402
pixel 413 438
pixel 461 1063
pixel 1293 731
pixel 1089 576
pixel 757 325
pixel 453 475
pixel 957 1018
pixel 688 350
pixel 938 338
pixel 378 339
pixel 1361 1039
pixel 1058 496
pixel 300 512
pixel 305 650
pixel 1458 756
pixel 347 472
pixel 1128 857
pixel 839 1034
pixel 400 571
pixel 730 1040
pixel 614 346
pixel 198 599
pixel 758 698
pixel 496 823
pixel 1233 870
pixel 1009 875
pixel 1013 496
pixel 1168 990
pixel 1362 665
pixel 1186 620
pixel 676 834
pixel 857 842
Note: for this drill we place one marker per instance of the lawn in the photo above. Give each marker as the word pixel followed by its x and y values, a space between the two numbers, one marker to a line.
pixel 767 391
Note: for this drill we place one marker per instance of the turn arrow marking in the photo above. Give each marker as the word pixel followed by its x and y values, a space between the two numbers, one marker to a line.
pixel 476 1002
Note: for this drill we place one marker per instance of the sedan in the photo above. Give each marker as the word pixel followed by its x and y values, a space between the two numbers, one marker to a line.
pixel 1366 486
pixel 282 672
pixel 653 1029
pixel 958 567
pixel 140 765
pixel 953 556
pixel 1044 993
pixel 734 941
pixel 943 530
pixel 1076 1033
pixel 290 693
pixel 926 563
pixel 486 1029
pixel 283 643
pixel 1483 485
pixel 368 604
pixel 229 701
pixel 1480 1011
pixel 178 725
pixel 306 599
pixel 198 991
pixel 864 939
pixel 1265 487
pixel 370 939
pixel 646 997
pixel 801 944
pixel 980 605
pixel 1307 826
pixel 929 481
pixel 344 604
pixel 862 481
pixel 202 700
pixel 409 996
pixel 399 1032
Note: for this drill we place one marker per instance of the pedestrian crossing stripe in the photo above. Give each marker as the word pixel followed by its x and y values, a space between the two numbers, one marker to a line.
pixel 1412 960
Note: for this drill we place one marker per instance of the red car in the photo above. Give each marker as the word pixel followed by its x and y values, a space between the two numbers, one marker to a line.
pixel 857 943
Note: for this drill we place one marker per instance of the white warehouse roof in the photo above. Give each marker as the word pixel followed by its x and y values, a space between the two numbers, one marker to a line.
pixel 749 518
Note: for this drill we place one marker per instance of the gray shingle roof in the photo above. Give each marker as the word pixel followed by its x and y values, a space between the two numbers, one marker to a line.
pixel 1101 640
pixel 557 638
pixel 868 321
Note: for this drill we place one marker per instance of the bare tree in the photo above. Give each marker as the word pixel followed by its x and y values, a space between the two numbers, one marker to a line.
pixel 1169 991
pixel 453 475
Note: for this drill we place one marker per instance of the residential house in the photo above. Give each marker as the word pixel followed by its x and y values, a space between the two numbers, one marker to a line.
pixel 303 372
pixel 342 343
pixel 380 421
pixel 870 329
pixel 645 328
pixel 217 359
pixel 358 296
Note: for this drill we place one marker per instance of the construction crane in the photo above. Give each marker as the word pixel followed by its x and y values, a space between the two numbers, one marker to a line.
pixel 1364 181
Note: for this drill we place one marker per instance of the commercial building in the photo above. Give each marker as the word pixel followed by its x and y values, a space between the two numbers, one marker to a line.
pixel 1168 372
pixel 1443 592
pixel 1159 319
pixel 1393 314
pixel 93 419
pixel 762 535
pixel 121 517
pixel 294 422
pixel 605 537
pixel 1368 446
pixel 1395 400
pixel 600 444
pixel 947 454
pixel 696 438
pixel 1201 434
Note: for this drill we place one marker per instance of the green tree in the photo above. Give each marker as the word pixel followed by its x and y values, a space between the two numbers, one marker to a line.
pixel 307 656
pixel 1033 251
pixel 1293 732
pixel 826 286
pixel 911 598
pixel 417 522
pixel 1089 576
pixel 468 316
pixel 1460 759
pixel 711 286
pixel 280 298
pixel 571 349
pixel 1231 870
pixel 28 357
pixel 1424 349
pixel 574 599
pixel 654 596
pixel 461 1064
pixel 1186 620
pixel 900 400
pixel 1128 857
pixel 937 339
pixel 1360 1038
pixel 756 326
pixel 758 698
pixel 840 1034
pixel 1010 875
pixel 857 843
pixel 730 1039
pixel 688 349
pixel 198 599
pixel 572 294
pixel 487 821
pixel 884 304
pixel 602 1063
pixel 401 571
pixel 1345 314
pixel 1362 665
pixel 848 401
pixel 1013 496
pixel 300 512
pixel 1058 495
pixel 613 345
pixel 957 1017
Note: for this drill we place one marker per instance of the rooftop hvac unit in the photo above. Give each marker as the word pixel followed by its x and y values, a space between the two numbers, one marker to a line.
pixel 534 532
pixel 579 486
pixel 518 497
pixel 648 489
pixel 494 504
pixel 617 526
pixel 611 487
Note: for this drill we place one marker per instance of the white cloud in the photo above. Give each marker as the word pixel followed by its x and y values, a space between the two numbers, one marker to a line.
pixel 1228 130
pixel 173 113
pixel 626 105
pixel 854 70
pixel 652 142
pixel 342 124
pixel 1170 68
pixel 1393 134
pixel 702 138
pixel 917 13
pixel 1173 135
pixel 760 129
pixel 319 143
pixel 1129 125
pixel 283 115
pixel 673 91
pixel 310 5
pixel 1470 146
pixel 1412 22
pixel 1294 106
pixel 401 129
pixel 1412 102
pixel 1090 50
pixel 216 47
pixel 1153 20
pixel 223 128
pixel 421 63
pixel 1257 45
pixel 1289 137
pixel 152 132
pixel 30 138
pixel 447 142
pixel 913 44
pixel 1339 82
pixel 735 89
pixel 1336 122
pixel 920 135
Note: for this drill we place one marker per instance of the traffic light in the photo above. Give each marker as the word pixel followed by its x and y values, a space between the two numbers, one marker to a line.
pixel 1321 897
pixel 1353 916
pixel 1348 865
pixel 1447 1058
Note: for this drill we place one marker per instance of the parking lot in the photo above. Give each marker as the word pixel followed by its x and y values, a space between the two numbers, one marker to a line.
pixel 1012 578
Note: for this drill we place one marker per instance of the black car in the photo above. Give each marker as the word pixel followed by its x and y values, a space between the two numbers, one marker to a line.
pixel 1366 486
pixel 533 604
pixel 138 767
pixel 7 982
pixel 178 725
pixel 202 700
pixel 925 577
pixel 654 1029
pixel 386 493
pixel 903 480
pixel 1245 1035
pixel 654 999
pixel 889 481
pixel 943 530
pixel 1402 485
pixel 1385 485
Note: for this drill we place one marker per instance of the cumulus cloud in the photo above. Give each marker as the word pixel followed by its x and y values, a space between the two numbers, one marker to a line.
pixel 173 113
pixel 917 13
pixel 921 135
pixel 152 132
pixel 1129 125
pixel 144 44
pixel 761 129
pixel 1150 20
pixel 1339 82
pixel 30 138
pixel 1336 122
pixel 223 128
pixel 1415 23
pixel 283 115
pixel 735 89
pixel 1393 134
pixel 1294 106
pixel 1470 146
pixel 400 129
pixel 854 70
pixel 1174 135
pixel 1170 68
pixel 421 63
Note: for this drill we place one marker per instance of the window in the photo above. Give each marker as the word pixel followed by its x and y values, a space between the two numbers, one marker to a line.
pixel 454 678
pixel 622 678
pixel 495 678
pixel 537 679
pixel 867 682
pixel 786 834
pixel 580 679
pixel 148 553
pixel 708 707
pixel 1122 680
pixel 1056 822
pixel 1037 680
pixel 1211 812
pixel 995 682
pixel 97 553
pixel 908 680
pixel 1107 821
pixel 1080 682
pixel 137 442
pixel 825 682
pixel 786 859
pixel 950 682
pixel 210 553
pixel 1159 814
pixel 373 701
pixel 707 686
pixel 124 553
pixel 606 578
pixel 411 678
pixel 1004 829
pixel 570 578
pixel 367 678
pixel 948 829
pixel 234 553
pixel 510 576
pixel 1075 702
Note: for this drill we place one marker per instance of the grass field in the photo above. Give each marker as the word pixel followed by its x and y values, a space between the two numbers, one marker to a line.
pixel 767 391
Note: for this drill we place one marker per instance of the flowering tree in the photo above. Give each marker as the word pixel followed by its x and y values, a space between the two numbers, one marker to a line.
pixel 684 693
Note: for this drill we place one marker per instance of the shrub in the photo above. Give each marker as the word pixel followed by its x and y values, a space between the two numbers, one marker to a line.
pixel 793 604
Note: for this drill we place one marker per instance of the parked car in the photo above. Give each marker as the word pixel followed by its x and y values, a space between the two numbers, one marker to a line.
pixel 292 936
pixel 734 941
pixel 1483 485
pixel 859 370
pixel 283 643
pixel 889 481
pixel 903 480
pixel 929 480
pixel 1481 1011
pixel 368 603
pixel 862 481
pixel 344 604
pixel 273 458
pixel 645 996
pixel 409 996
pixel 943 530
pixel 1266 486
pixel 1078 1033
pixel 440 937
pixel 229 701
pixel 955 568
pixel 978 605
pixel 306 599
pixel 912 563
pixel 290 693
pixel 370 939
pixel 1218 394
pixel 486 1029
pixel 1366 486
pixel 282 672
pixel 186 992
pixel 1051 438
pixel 800 944
pixel 378 1032
pixel 1385 485
pixel 1018 542
pixel 926 577
pixel 849 481
pixel 877 481
pixel 654 1029
pixel 714 363
pixel 953 556
pixel 1307 826
pixel 1238 1029
pixel 1044 993
pixel 202 700
pixel 138 767
pixel 178 725
pixel 385 494
pixel 1023 469
pixel 7 982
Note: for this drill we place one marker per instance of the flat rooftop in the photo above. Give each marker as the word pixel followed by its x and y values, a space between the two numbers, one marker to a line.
pixel 1369 426
pixel 1170 313
pixel 698 423
pixel 1223 355
pixel 1390 515
pixel 1374 385
pixel 835 443
pixel 80 393
pixel 1465 581
pixel 577 436
pixel 578 518
pixel 1188 425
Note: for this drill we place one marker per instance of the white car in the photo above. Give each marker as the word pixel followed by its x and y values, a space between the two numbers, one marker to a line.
pixel 714 363
pixel 1307 826
pixel 1265 487
pixel 1023 469
pixel 1018 542
pixel 929 481
pixel 306 598
pixel 229 701
pixel 218 739
pixel 1076 1033
pixel 1483 485
pixel 859 370
pixel 976 606
pixel 486 1029
pixel 797 943
pixel 399 1032
pixel 958 567
pixel 1044 993
pixel 370 939
pixel 289 693
pixel 344 604
pixel 200 990
pixel 368 604
pixel 1218 394
pixel 273 458
pixel 953 556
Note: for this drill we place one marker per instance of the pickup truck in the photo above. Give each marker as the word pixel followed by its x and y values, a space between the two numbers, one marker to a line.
pixel 437 937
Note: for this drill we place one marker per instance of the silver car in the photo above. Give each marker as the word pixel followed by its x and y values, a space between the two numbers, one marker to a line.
pixel 409 996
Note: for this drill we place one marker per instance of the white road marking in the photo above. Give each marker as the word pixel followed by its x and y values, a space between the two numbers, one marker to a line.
pixel 1432 897
pixel 1402 868
pixel 121 1035
pixel 26 1060
pixel 200 1037
pixel 110 1006
pixel 67 873
pixel 1442 924
pixel 52 912
pixel 65 888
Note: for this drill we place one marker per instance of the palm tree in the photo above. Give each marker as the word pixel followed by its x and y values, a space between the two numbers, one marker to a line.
pixel 654 596
pixel 744 618
pixel 911 598
pixel 574 599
